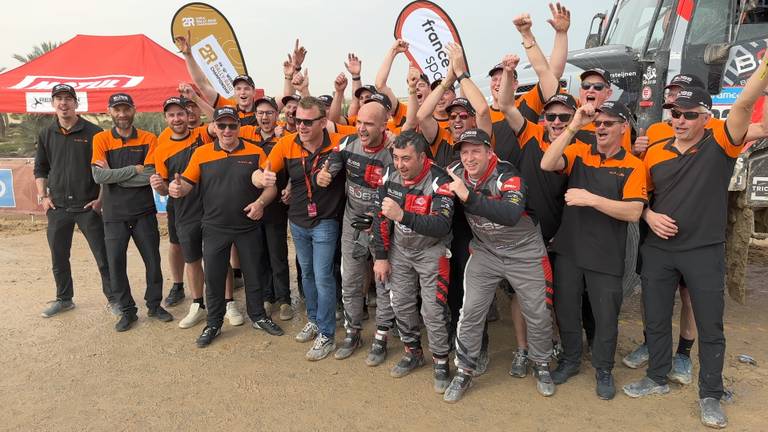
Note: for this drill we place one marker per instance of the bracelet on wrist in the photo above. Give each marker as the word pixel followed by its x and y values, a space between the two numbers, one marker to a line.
pixel 528 45
pixel 355 78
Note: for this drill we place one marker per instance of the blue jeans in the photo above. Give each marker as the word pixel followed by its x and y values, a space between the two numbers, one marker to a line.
pixel 315 248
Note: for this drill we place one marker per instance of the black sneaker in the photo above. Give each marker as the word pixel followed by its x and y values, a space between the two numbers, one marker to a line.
pixel 126 321
pixel 442 376
pixel 268 326
pixel 459 385
pixel 160 314
pixel 565 370
pixel 411 360
pixel 605 389
pixel 377 353
pixel 351 342
pixel 175 296
pixel 207 336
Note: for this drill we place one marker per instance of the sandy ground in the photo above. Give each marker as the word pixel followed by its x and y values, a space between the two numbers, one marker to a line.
pixel 74 372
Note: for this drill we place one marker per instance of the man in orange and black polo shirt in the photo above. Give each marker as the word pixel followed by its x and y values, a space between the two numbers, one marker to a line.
pixel 289 111
pixel 232 209
pixel 123 161
pixel 688 178
pixel 314 214
pixel 606 190
pixel 275 273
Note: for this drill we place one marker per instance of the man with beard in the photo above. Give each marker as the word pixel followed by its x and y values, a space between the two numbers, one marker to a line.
pixel 412 228
pixel 362 158
pixel 606 190
pixel 118 163
pixel 290 103
pixel 69 196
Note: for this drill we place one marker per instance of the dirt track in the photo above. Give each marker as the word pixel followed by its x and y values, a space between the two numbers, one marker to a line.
pixel 73 372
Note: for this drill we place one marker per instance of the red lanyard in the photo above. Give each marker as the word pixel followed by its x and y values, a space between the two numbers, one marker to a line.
pixel 312 171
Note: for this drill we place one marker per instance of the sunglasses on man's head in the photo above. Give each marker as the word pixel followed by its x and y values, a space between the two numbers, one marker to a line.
pixel 565 118
pixel 596 86
pixel 230 126
pixel 688 115
pixel 606 123
pixel 307 122
pixel 462 116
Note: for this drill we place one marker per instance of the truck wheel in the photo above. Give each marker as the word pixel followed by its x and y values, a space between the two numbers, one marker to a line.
pixel 740 229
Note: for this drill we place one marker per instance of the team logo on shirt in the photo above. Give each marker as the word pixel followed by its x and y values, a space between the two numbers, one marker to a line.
pixel 373 175
pixel 510 184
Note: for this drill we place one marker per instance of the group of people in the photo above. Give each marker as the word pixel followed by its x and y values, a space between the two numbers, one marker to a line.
pixel 429 206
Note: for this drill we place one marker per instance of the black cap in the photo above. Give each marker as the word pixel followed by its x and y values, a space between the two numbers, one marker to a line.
pixel 289 98
pixel 597 71
pixel 266 99
pixel 248 80
pixel 691 97
pixel 63 88
pixel 424 78
pixel 225 111
pixel 463 103
pixel 382 99
pixel 368 88
pixel 563 99
pixel 174 100
pixel 685 81
pixel 498 67
pixel 616 109
pixel 474 136
pixel 120 99
pixel 327 100
pixel 440 81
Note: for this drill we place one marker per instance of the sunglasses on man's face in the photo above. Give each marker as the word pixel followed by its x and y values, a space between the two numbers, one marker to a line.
pixel 306 122
pixel 596 86
pixel 688 115
pixel 564 118
pixel 606 123
pixel 230 126
pixel 462 116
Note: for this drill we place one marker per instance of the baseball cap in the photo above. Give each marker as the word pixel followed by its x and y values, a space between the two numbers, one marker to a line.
pixel 289 98
pixel 327 100
pixel 463 103
pixel 563 99
pixel 266 99
pixel 685 81
pixel 120 99
pixel 498 67
pixel 368 88
pixel 63 88
pixel 616 109
pixel 440 81
pixel 248 80
pixel 174 100
pixel 474 136
pixel 691 97
pixel 596 71
pixel 225 111
pixel 382 99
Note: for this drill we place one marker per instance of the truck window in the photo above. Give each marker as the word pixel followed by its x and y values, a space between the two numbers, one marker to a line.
pixel 710 22
pixel 661 26
pixel 631 23
pixel 754 21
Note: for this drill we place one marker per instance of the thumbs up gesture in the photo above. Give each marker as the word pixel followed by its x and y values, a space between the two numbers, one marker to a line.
pixel 641 142
pixel 457 186
pixel 157 183
pixel 175 188
pixel 268 177
pixel 324 176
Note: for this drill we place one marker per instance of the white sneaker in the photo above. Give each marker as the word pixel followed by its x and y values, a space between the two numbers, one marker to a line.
pixel 233 315
pixel 195 315
pixel 308 333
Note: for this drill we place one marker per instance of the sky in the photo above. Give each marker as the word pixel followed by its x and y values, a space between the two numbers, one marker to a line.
pixel 328 29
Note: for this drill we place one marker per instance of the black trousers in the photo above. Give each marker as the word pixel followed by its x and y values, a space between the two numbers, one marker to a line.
pixel 61 226
pixel 605 296
pixel 217 244
pixel 275 273
pixel 146 237
pixel 704 272
pixel 462 234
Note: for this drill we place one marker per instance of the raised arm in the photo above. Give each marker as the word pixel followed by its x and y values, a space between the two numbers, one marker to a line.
pixel 469 89
pixel 186 90
pixel 198 76
pixel 739 118
pixel 301 83
pixel 290 67
pixel 410 116
pixel 354 66
pixel 428 126
pixel 553 157
pixel 560 22
pixel 548 82
pixel 507 93
pixel 400 46
pixel 339 85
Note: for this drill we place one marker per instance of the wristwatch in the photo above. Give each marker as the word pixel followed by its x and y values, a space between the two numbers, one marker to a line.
pixel 462 76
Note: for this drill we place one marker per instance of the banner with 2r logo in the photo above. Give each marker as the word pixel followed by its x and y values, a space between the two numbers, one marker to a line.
pixel 213 42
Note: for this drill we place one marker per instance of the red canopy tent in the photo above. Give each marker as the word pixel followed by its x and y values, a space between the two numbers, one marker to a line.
pixel 97 66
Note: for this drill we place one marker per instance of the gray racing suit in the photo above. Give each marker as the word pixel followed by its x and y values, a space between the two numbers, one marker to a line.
pixel 506 244
pixel 417 250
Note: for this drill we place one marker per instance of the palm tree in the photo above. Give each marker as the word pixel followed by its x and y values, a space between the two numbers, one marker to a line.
pixel 37 51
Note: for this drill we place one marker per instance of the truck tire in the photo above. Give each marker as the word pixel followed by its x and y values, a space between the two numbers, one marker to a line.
pixel 740 228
